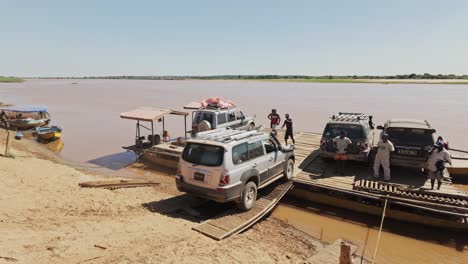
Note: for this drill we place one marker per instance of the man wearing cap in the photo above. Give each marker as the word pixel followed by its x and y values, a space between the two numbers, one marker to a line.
pixel 382 158
pixel 436 164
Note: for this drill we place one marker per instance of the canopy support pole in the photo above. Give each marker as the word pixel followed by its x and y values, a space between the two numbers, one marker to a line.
pixel 185 126
pixel 152 133
pixel 138 129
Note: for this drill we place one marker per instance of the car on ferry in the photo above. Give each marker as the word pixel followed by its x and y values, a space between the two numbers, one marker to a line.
pixel 217 113
pixel 413 140
pixel 359 129
pixel 231 165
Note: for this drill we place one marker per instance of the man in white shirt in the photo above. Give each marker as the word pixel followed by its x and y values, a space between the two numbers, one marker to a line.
pixel 384 148
pixel 435 164
pixel 341 144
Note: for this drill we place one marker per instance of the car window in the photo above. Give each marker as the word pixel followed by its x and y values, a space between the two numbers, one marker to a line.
pixel 255 149
pixel 201 154
pixel 269 146
pixel 240 153
pixel 222 118
pixel 239 115
pixel 231 117
pixel 352 131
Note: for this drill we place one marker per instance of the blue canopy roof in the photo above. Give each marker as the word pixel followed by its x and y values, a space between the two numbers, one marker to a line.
pixel 25 109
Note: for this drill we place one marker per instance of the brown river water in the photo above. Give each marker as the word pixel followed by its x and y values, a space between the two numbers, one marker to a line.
pixel 88 111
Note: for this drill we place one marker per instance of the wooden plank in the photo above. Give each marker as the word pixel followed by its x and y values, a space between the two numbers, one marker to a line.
pixel 119 183
pixel 236 221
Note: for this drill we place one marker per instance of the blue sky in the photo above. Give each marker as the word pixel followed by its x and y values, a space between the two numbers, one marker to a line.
pixel 92 38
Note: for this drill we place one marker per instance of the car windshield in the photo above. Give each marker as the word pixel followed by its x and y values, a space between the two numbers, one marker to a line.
pixel 352 131
pixel 201 154
pixel 201 116
pixel 410 136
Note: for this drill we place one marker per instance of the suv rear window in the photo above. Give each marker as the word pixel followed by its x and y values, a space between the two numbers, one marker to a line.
pixel 410 136
pixel 352 131
pixel 208 116
pixel 201 154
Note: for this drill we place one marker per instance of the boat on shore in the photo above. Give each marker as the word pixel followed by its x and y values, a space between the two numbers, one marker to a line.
pixel 48 133
pixel 26 117
pixel 157 148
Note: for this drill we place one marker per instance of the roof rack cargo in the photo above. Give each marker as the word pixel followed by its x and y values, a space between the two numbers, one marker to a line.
pixel 227 135
pixel 349 117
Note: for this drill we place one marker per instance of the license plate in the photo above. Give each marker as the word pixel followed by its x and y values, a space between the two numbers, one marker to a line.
pixel 408 152
pixel 198 176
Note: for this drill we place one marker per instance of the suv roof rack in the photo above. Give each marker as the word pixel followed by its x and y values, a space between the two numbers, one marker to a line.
pixel 225 136
pixel 349 117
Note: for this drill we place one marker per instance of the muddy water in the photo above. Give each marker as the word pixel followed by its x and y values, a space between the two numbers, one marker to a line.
pixel 413 247
pixel 89 110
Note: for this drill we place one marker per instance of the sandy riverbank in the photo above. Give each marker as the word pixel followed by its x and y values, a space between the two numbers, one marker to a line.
pixel 47 218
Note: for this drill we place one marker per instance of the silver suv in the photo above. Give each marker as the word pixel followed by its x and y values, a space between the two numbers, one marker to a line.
pixel 231 165
pixel 359 129
pixel 210 118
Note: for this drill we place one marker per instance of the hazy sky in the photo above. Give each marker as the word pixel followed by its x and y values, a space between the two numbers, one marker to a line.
pixel 197 37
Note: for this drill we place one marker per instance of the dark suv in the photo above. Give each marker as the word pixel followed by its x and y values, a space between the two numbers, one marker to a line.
pixel 359 130
pixel 413 139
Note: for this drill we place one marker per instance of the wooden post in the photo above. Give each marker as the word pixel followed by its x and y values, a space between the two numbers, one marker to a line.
pixel 7 146
pixel 345 254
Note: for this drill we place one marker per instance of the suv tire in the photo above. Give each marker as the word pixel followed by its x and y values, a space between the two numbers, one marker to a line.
pixel 289 170
pixel 248 196
pixel 251 127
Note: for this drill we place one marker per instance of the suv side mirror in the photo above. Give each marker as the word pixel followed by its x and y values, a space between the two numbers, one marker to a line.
pixel 380 127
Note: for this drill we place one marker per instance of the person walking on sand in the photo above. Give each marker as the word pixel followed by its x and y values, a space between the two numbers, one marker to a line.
pixel 384 148
pixel 436 164
pixel 289 129
pixel 341 144
pixel 275 119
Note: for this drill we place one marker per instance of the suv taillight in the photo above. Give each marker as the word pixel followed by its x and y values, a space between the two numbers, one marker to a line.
pixel 323 143
pixel 224 180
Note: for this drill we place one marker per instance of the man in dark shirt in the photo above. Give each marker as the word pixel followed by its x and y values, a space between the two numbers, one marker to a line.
pixel 289 129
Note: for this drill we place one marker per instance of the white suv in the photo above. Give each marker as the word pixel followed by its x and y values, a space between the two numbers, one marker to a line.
pixel 211 118
pixel 231 165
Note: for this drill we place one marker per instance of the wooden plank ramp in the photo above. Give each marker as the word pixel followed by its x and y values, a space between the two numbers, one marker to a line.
pixel 235 221
pixel 118 183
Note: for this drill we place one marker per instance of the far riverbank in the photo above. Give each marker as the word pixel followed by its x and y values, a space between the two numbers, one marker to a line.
pixel 10 79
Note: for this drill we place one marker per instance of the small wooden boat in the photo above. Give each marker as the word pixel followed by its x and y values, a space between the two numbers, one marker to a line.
pixel 28 123
pixel 48 132
pixel 27 117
